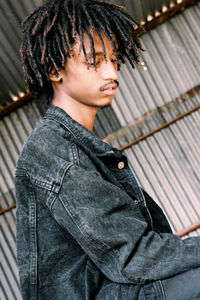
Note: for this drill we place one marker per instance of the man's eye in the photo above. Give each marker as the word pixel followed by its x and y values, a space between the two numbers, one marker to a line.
pixel 114 60
pixel 92 63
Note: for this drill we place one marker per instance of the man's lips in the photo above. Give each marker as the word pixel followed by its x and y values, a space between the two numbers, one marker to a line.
pixel 109 88
pixel 109 91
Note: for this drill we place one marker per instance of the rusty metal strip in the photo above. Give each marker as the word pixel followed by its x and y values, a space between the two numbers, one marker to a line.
pixel 170 12
pixel 135 131
pixel 188 229
pixel 14 105
pixel 5 210
pixel 135 141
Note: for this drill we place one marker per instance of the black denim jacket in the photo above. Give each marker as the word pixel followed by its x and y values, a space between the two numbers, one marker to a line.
pixel 85 229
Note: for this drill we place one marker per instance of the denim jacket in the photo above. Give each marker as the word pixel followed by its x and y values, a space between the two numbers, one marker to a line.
pixel 85 229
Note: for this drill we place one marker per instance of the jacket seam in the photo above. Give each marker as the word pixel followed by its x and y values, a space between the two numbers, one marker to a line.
pixel 50 117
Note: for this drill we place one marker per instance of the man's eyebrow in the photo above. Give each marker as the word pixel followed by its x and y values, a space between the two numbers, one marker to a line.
pixel 90 55
pixel 99 53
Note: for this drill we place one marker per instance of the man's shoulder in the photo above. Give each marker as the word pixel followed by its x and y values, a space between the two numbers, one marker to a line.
pixel 46 152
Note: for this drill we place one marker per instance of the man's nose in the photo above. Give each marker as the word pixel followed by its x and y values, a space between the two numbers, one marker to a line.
pixel 109 70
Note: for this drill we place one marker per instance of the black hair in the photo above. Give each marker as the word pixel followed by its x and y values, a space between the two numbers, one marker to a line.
pixel 50 31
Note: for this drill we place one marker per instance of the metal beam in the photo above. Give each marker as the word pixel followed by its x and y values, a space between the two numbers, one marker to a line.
pixel 188 229
pixel 164 16
pixel 14 105
pixel 164 125
pixel 154 121
pixel 9 208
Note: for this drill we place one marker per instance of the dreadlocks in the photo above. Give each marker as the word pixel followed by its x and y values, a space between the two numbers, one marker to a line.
pixel 51 30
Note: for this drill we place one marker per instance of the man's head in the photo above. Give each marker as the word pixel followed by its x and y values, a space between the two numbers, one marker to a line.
pixel 53 31
pixel 93 82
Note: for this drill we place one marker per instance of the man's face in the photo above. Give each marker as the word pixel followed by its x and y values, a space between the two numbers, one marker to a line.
pixel 85 86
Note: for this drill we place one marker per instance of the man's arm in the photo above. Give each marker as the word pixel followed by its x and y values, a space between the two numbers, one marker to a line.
pixel 113 232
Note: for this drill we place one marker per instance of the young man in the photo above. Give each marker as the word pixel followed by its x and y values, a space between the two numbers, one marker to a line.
pixel 85 229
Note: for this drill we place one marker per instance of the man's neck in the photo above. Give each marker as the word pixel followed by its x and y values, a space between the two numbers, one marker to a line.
pixel 81 113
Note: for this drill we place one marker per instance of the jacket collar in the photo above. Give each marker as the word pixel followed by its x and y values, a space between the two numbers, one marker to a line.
pixel 81 135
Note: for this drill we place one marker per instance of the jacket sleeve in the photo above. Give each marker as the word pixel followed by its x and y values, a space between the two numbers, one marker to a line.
pixel 110 228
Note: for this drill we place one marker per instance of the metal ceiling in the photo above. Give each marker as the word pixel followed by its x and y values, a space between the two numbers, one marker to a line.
pixel 12 12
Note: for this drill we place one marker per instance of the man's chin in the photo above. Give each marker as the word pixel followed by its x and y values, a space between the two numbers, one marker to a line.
pixel 106 102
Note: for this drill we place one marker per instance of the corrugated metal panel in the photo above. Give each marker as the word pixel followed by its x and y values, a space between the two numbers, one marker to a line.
pixel 173 67
pixel 141 9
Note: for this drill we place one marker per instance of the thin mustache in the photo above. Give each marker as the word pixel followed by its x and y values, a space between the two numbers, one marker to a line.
pixel 103 87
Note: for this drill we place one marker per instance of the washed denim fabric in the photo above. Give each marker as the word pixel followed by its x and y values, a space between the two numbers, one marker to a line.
pixel 85 229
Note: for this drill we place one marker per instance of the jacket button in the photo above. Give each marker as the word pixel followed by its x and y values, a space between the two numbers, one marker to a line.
pixel 136 201
pixel 121 165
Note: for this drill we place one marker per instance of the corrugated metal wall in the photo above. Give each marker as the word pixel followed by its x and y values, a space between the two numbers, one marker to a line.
pixel 166 164
pixel 171 67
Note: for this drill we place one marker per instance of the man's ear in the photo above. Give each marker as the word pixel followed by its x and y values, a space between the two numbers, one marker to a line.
pixel 55 78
